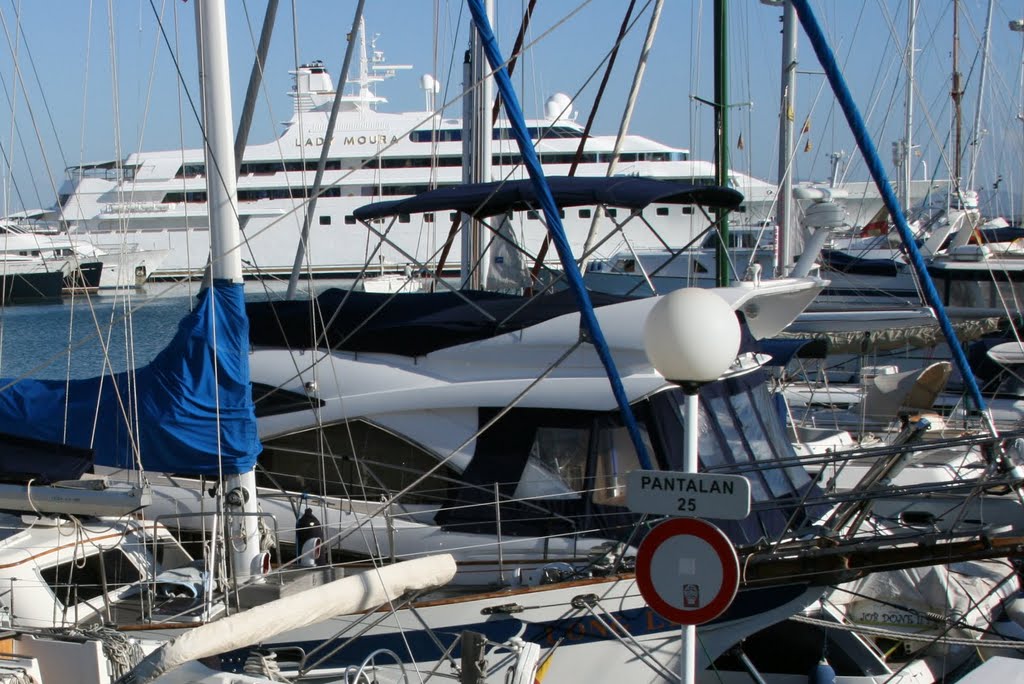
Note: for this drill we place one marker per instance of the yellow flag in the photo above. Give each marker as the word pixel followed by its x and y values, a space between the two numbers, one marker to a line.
pixel 807 125
pixel 808 147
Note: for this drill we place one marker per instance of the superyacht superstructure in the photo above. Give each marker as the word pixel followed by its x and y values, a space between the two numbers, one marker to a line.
pixel 157 200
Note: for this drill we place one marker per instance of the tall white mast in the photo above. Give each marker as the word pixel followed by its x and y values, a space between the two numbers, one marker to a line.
pixel 784 249
pixel 976 131
pixel 476 154
pixel 907 147
pixel 225 246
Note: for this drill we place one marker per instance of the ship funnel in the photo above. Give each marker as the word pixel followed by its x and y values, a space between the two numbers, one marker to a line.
pixel 313 86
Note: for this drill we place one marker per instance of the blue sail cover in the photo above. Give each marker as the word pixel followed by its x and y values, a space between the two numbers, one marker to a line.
pixel 187 396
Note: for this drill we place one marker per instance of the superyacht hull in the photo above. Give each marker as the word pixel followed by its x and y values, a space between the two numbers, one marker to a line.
pixel 341 247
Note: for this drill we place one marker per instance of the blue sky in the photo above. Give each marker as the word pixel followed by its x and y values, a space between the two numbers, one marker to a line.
pixel 70 53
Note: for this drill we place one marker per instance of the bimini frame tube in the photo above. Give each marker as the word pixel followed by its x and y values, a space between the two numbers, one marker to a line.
pixel 554 222
pixel 867 149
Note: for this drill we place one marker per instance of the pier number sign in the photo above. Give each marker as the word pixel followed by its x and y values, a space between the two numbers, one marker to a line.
pixel 693 495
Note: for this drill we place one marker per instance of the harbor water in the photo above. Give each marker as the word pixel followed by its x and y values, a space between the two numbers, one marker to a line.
pixel 84 336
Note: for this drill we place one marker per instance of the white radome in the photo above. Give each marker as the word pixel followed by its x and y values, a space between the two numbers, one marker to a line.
pixel 691 335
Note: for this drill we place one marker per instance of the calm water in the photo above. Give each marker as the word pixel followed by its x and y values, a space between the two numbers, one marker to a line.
pixel 82 337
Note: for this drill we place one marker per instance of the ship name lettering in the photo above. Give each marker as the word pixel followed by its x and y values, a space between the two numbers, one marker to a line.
pixel 369 140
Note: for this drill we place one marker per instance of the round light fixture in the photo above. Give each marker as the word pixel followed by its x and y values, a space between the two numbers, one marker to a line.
pixel 691 336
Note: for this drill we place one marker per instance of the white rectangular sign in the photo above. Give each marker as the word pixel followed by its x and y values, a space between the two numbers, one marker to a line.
pixel 694 495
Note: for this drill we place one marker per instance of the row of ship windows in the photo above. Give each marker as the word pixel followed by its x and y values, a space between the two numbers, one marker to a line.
pixel 296 193
pixel 536 133
pixel 199 196
pixel 270 168
pixel 532 214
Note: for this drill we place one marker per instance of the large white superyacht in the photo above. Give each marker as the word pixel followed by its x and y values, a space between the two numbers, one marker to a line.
pixel 157 200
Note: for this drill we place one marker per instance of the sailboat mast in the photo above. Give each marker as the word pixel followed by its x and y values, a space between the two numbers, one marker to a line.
pixel 907 153
pixel 722 137
pixel 222 188
pixel 957 94
pixel 787 113
pixel 225 246
pixel 982 78
pixel 476 153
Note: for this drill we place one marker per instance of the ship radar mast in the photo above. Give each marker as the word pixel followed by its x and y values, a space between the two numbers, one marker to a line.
pixel 313 88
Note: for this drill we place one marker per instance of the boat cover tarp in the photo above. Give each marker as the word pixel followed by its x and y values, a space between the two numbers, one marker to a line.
pixel 841 261
pixel 906 600
pixel 919 337
pixel 490 199
pixel 409 324
pixel 782 351
pixel 171 412
pixel 23 459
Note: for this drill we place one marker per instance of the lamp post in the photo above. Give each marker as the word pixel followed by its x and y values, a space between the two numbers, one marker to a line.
pixel 691 337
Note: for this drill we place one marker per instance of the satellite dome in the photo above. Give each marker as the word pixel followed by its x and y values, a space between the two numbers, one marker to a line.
pixel 559 106
pixel 429 83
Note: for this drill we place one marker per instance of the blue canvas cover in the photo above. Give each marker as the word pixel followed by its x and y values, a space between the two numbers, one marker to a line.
pixel 184 398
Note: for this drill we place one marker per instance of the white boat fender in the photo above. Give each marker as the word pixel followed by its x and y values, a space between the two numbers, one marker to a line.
pixel 309 539
pixel 822 673
pixel 527 660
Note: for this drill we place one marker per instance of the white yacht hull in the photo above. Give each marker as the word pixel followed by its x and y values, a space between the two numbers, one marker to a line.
pixel 129 268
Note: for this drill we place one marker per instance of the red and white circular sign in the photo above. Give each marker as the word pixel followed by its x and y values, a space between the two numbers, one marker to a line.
pixel 687 571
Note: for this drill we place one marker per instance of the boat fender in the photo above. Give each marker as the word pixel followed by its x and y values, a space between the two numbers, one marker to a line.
pixel 822 674
pixel 309 538
pixel 524 670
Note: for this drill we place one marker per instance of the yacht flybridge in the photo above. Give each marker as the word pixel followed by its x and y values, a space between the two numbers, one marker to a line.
pixel 157 200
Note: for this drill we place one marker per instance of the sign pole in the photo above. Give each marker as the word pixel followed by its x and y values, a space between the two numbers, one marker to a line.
pixel 690 448
pixel 688 650
pixel 689 354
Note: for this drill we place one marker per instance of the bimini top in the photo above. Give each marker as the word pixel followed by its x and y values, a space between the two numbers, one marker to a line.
pixel 482 200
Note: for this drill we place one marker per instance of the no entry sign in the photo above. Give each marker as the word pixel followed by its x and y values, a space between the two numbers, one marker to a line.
pixel 687 571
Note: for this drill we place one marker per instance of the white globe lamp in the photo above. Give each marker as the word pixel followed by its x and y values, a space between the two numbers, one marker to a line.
pixel 691 336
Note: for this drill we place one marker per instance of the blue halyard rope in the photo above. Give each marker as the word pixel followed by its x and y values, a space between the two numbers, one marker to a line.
pixel 874 163
pixel 554 222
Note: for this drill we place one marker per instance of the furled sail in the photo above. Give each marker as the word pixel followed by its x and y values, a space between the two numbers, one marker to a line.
pixel 188 411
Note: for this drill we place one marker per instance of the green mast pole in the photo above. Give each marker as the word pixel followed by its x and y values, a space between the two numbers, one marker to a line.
pixel 722 137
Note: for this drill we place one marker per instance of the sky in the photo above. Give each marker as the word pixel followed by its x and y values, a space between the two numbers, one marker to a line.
pixel 89 81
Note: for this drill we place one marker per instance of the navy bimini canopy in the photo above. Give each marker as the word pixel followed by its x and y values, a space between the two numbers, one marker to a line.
pixel 482 200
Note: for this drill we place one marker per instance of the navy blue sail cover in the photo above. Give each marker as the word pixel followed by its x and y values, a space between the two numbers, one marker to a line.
pixel 410 324
pixel 189 411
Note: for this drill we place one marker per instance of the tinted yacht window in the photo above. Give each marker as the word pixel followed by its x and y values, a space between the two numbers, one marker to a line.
pixel 354 459
pixel 741 433
pixel 725 437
